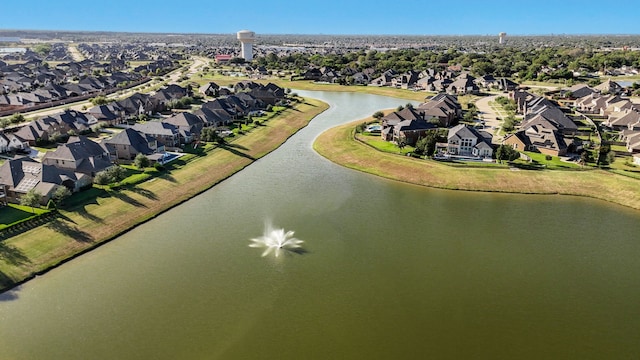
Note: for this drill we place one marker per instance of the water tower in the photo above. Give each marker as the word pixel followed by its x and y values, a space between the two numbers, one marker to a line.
pixel 502 37
pixel 247 38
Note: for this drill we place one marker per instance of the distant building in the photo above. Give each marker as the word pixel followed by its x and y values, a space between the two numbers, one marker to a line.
pixel 502 38
pixel 247 38
pixel 222 58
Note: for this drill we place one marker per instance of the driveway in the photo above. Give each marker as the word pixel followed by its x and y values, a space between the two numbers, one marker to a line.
pixel 490 116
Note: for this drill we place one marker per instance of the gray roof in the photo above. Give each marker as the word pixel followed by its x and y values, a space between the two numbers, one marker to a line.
pixel 132 138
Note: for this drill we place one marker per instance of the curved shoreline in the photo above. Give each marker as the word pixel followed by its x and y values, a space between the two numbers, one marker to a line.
pixel 339 145
pixel 84 228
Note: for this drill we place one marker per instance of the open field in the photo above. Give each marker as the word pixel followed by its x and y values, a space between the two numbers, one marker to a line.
pixel 99 215
pixel 339 146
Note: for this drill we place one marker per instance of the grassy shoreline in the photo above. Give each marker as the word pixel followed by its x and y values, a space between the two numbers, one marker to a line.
pixel 339 146
pixel 90 224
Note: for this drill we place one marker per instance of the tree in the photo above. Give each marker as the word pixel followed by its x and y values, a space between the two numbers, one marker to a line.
pixel 427 145
pixel 378 115
pixel 585 157
pixel 61 193
pixel 17 118
pixel 4 123
pixel 470 114
pixel 611 157
pixel 31 199
pixel 141 161
pixel 506 152
pixel 110 175
pixel 99 100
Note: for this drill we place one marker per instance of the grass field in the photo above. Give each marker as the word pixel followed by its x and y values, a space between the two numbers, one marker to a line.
pixel 338 145
pixel 97 215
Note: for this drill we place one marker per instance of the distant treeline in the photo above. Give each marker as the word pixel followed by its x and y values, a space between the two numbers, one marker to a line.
pixel 537 64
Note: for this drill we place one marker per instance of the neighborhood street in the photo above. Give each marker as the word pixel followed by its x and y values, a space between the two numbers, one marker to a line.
pixel 490 117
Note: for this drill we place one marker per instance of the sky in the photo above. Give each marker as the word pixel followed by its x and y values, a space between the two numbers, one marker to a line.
pixel 330 17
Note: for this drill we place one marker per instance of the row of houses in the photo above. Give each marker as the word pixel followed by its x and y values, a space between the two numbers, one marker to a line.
pixel 607 102
pixel 442 111
pixel 31 84
pixel 545 128
pixel 75 163
pixel 452 82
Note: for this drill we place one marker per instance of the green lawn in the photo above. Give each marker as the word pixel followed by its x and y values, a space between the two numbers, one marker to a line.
pixel 554 163
pixel 13 213
pixel 376 142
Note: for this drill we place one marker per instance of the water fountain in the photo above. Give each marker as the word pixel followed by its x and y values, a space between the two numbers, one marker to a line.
pixel 277 241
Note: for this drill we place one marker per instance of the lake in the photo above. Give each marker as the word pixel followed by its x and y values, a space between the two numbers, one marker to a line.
pixel 389 271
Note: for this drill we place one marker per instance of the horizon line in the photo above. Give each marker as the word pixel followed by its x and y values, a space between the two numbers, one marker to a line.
pixel 316 34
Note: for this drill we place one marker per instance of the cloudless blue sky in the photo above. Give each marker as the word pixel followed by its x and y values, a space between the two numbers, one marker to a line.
pixel 419 17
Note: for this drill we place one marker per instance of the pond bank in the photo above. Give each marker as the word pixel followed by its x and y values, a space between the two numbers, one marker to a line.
pixel 94 222
pixel 339 145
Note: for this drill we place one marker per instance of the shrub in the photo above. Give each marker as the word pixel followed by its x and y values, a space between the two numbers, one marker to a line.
pixel 110 175
pixel 141 161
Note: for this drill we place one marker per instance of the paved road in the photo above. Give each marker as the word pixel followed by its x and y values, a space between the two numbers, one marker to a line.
pixel 490 117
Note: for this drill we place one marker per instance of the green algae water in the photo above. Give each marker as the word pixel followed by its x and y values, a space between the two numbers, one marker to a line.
pixel 388 271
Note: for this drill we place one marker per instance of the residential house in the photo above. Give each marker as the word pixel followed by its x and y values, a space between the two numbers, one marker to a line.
pixel 210 89
pixel 110 114
pixel 187 122
pixel 167 135
pixel 407 80
pixel 312 74
pixel 245 85
pixel 12 142
pixel 127 144
pixel 443 107
pixel 596 103
pixel 80 154
pixel 486 81
pixel 384 79
pixel 411 130
pixel 137 104
pixel 577 91
pixel 505 84
pixel 541 107
pixel 463 140
pixel 462 86
pixel 623 120
pixel 633 142
pixel 214 117
pixel 540 139
pixel 49 127
pixel 609 87
pixel 19 176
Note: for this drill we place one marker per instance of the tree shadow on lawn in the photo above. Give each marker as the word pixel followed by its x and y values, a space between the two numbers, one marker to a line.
pixel 12 255
pixel 62 227
pixel 144 192
pixel 119 194
pixel 82 211
pixel 168 177
pixel 231 149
